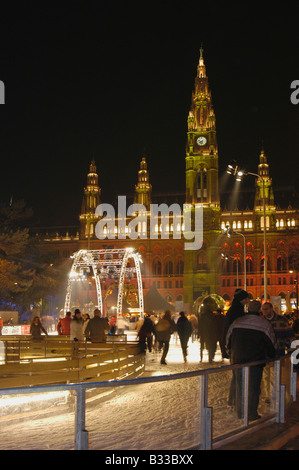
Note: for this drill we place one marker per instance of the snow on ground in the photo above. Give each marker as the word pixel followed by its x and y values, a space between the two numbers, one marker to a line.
pixel 151 416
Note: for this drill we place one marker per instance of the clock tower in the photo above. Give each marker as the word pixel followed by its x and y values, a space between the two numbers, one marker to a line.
pixel 201 272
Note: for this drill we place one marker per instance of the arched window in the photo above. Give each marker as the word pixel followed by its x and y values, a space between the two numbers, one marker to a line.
pixel 236 265
pixel 202 192
pixel 168 270
pixel 157 267
pixel 225 265
pixel 262 264
pixel 267 222
pixel 204 185
pixel 180 267
pixel 281 262
pixel 249 265
pixel 202 261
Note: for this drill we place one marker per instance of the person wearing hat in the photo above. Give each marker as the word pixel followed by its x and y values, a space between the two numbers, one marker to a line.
pixel 250 338
pixel 76 328
pixel 236 310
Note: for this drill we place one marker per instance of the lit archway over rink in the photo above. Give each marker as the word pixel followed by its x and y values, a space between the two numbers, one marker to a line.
pixel 104 263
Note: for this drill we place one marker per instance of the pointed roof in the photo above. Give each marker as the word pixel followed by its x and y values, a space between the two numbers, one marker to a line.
pixel 154 302
pixel 201 68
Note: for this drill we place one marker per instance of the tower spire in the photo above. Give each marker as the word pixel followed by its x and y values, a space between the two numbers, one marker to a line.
pixel 91 199
pixel 201 51
pixel 143 188
pixel 264 183
pixel 201 68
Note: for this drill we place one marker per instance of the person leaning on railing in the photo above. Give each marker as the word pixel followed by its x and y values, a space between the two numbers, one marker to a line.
pixel 37 328
pixel 97 328
pixel 250 338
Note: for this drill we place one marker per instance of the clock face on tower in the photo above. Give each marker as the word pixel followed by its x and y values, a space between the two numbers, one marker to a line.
pixel 201 141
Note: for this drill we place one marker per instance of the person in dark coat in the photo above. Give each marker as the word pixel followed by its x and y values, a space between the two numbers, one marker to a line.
pixel 37 328
pixel 250 338
pixel 184 328
pixel 236 310
pixel 207 328
pixel 97 328
pixel 145 334
pixel 164 329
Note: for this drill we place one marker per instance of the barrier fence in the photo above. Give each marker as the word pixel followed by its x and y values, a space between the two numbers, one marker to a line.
pixel 53 360
pixel 208 400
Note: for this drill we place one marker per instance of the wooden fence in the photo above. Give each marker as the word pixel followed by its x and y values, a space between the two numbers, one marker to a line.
pixel 57 360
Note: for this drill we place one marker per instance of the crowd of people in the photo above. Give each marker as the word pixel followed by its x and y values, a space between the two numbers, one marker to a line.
pixel 249 332
pixel 77 328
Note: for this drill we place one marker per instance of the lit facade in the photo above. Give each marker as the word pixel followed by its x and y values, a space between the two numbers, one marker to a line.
pixel 218 267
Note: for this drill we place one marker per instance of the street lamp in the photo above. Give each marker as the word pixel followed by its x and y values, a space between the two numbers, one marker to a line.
pixel 229 232
pixel 234 169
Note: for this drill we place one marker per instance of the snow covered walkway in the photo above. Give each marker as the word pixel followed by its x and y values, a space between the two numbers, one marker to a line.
pixel 150 416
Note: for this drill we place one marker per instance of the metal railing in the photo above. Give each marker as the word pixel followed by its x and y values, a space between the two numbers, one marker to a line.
pixel 284 393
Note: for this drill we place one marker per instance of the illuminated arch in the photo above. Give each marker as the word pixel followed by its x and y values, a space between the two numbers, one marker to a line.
pixel 103 263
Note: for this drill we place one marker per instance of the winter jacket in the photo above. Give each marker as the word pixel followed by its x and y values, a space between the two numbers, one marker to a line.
pixel 64 325
pixel 164 328
pixel 147 328
pixel 184 328
pixel 76 330
pixel 250 338
pixel 207 327
pixel 235 311
pixel 36 330
pixel 96 329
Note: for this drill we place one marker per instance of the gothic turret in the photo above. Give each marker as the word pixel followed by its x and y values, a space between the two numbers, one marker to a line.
pixel 91 199
pixel 143 189
pixel 264 183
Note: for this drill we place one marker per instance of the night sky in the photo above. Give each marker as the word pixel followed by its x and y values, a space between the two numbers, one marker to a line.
pixel 113 81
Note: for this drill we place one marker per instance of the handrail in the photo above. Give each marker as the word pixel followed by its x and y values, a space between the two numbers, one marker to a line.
pixel 124 382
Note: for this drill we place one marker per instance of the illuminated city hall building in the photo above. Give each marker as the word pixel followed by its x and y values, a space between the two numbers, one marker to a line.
pixel 181 275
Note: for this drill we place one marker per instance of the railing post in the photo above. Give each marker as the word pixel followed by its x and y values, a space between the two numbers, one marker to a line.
pixel 245 393
pixel 293 385
pixel 205 416
pixel 282 403
pixel 81 442
pixel 276 385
